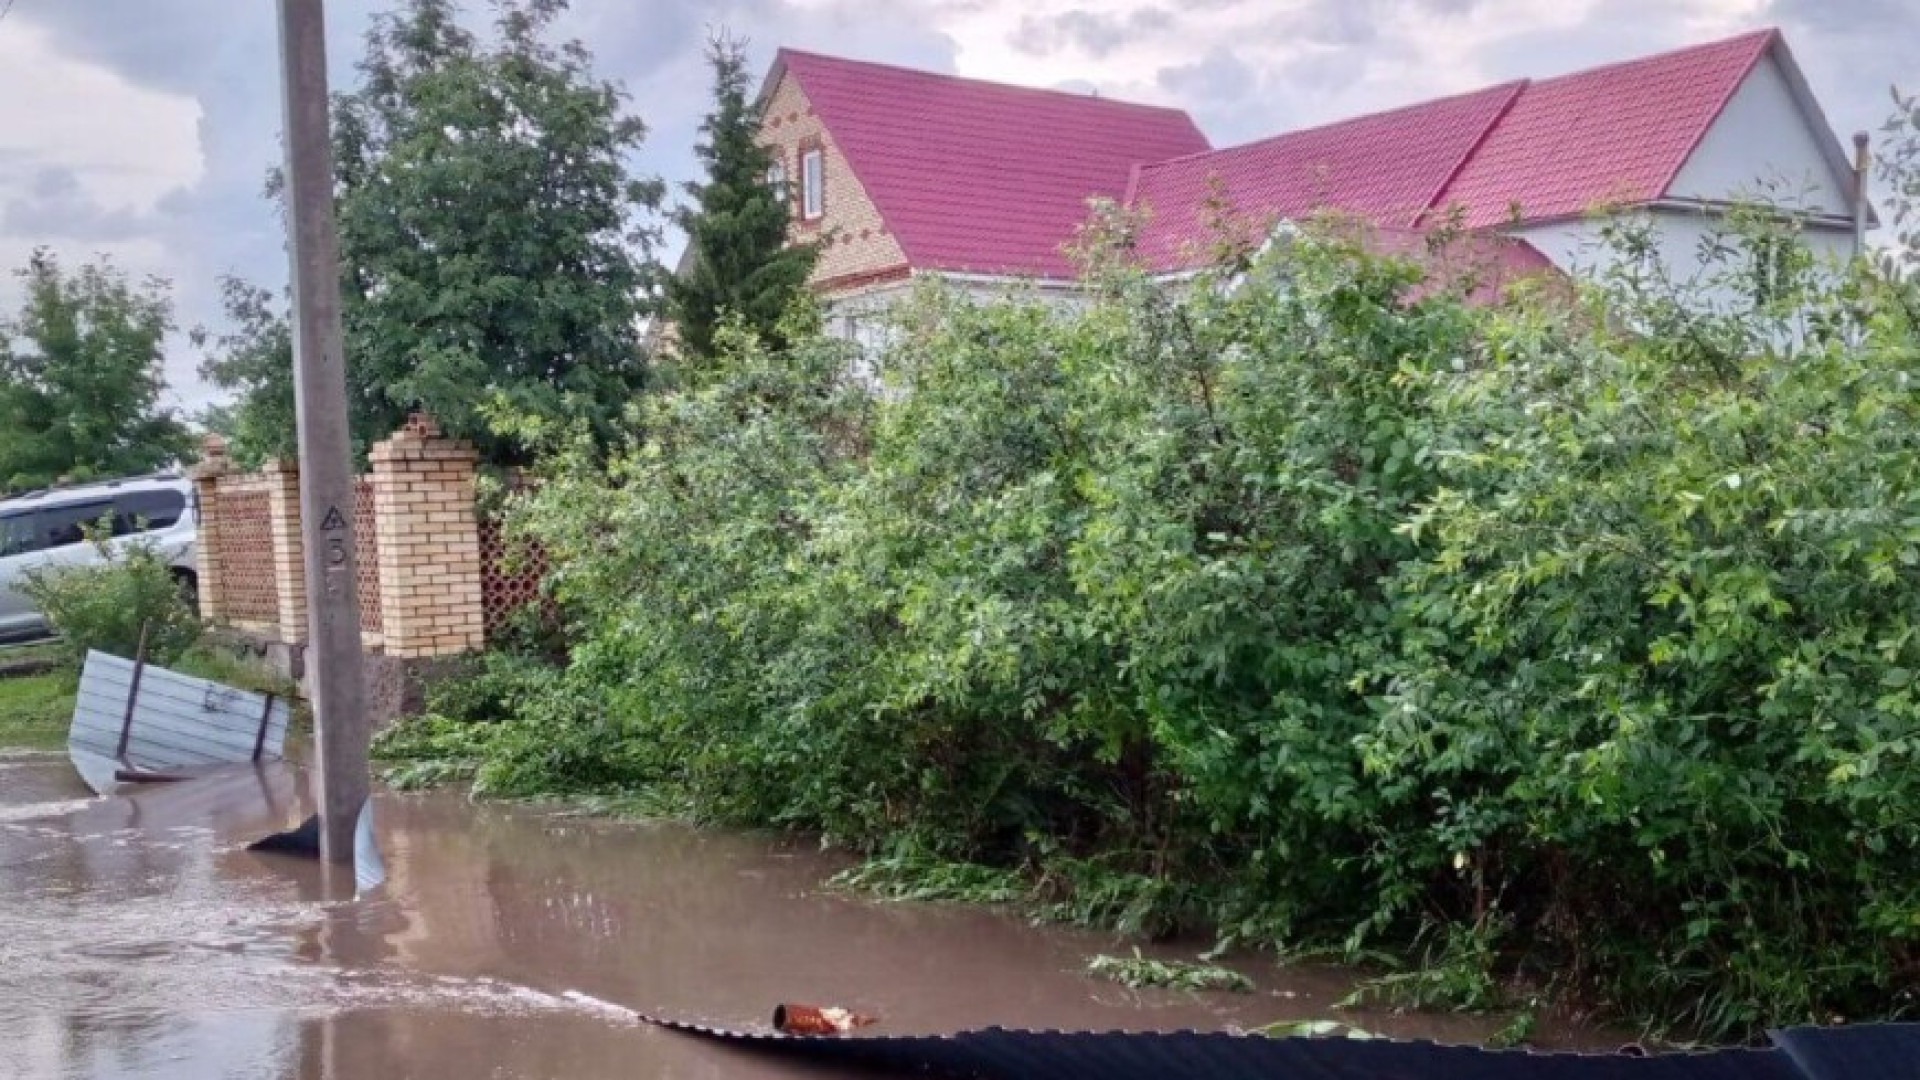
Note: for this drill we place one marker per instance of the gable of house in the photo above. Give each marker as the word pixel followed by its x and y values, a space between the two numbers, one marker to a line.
pixel 979 177
pixel 1612 135
pixel 856 244
pixel 1769 140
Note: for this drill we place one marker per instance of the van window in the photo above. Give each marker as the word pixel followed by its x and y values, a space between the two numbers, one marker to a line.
pixel 140 511
pixel 63 525
pixel 18 534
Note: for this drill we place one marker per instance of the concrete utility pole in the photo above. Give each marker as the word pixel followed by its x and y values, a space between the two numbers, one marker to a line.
pixel 320 397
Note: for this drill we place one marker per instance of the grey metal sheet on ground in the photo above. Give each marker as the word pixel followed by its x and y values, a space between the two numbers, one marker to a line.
pixel 179 721
pixel 1866 1052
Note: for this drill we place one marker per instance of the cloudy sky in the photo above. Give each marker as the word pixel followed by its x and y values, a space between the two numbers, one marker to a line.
pixel 142 129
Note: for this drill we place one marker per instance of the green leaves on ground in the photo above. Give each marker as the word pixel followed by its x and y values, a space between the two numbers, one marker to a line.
pixel 1139 972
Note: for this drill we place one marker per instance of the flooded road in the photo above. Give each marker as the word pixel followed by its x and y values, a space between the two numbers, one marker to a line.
pixel 138 938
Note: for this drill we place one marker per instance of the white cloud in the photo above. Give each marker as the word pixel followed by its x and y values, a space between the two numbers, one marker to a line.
pixel 129 146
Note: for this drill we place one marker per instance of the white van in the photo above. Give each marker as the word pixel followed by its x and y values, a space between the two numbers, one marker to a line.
pixel 44 529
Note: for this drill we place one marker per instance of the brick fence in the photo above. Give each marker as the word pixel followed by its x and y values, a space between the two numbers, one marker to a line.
pixel 433 574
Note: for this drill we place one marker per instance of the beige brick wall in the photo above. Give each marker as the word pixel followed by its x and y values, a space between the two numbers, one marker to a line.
pixel 213 467
pixel 854 241
pixel 282 480
pixel 429 543
pixel 425 566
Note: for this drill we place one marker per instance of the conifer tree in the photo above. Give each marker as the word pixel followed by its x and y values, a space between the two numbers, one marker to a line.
pixel 739 262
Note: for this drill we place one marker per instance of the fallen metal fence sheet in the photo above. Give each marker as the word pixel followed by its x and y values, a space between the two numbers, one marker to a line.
pixel 137 716
pixel 1862 1052
pixel 1870 1052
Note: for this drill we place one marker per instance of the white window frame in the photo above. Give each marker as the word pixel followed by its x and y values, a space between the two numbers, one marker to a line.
pixel 813 183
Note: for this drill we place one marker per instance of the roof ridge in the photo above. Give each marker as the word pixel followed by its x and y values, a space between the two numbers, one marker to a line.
pixel 1520 87
pixel 786 51
pixel 1356 118
pixel 1664 54
pixel 1133 184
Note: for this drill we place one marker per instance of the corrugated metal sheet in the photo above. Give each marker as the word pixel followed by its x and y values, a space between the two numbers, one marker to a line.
pixel 179 722
pixel 1865 1052
pixel 1873 1052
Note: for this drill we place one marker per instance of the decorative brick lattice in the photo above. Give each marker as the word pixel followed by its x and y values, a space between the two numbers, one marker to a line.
pixel 510 575
pixel 366 550
pixel 244 546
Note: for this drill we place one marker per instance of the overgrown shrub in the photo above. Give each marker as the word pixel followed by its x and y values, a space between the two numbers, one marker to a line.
pixel 1309 600
pixel 106 605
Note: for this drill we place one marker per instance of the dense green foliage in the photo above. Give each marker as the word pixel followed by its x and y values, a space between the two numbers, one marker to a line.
pixel 254 357
pixel 81 377
pixel 1570 635
pixel 738 263
pixel 110 605
pixel 491 238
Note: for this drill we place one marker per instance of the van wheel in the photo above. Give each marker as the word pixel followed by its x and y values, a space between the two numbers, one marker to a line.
pixel 189 587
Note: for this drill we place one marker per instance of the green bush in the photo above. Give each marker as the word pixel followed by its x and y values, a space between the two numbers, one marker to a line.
pixel 106 606
pixel 1569 633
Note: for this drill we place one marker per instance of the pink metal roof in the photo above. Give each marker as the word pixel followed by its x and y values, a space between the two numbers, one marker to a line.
pixel 1535 150
pixel 1485 264
pixel 988 178
pixel 1385 167
pixel 1613 134
pixel 977 176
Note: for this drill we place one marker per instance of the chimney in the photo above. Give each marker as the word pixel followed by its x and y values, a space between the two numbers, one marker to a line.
pixel 1862 161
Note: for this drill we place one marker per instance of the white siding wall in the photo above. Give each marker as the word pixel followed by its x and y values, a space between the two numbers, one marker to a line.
pixel 1576 247
pixel 863 317
pixel 848 313
pixel 1763 146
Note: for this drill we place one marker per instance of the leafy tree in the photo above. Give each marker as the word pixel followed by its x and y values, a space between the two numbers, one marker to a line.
pixel 739 262
pixel 487 224
pixel 81 377
pixel 492 239
pixel 1899 169
pixel 255 357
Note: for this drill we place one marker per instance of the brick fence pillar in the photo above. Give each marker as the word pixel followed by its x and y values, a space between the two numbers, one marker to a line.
pixel 429 541
pixel 282 479
pixel 214 464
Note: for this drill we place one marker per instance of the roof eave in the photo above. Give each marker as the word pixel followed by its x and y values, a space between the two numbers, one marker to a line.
pixel 1823 133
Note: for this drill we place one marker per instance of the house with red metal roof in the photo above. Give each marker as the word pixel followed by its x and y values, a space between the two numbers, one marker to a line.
pixel 899 173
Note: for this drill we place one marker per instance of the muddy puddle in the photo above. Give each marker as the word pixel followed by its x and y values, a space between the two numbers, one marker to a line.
pixel 139 939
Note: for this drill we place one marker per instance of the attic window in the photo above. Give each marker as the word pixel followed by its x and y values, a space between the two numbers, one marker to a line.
pixel 813 195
